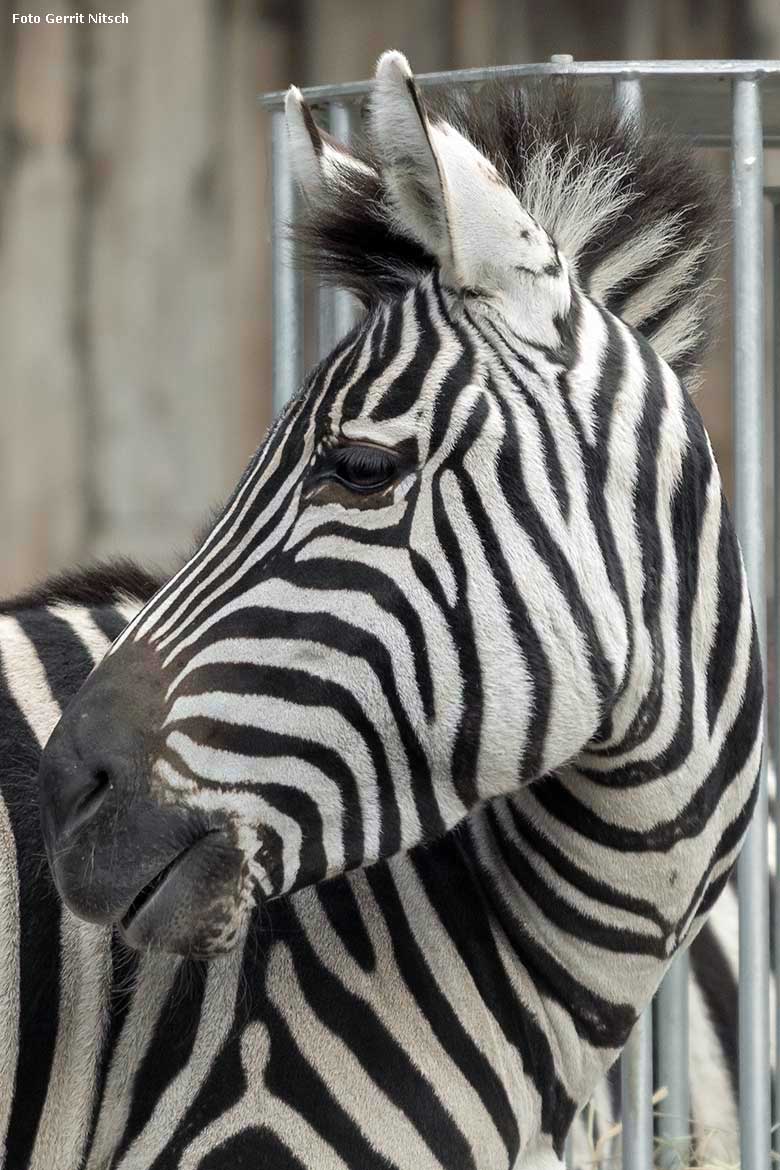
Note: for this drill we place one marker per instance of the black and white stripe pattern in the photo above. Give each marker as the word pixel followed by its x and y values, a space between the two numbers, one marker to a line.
pixel 474 629
pixel 366 996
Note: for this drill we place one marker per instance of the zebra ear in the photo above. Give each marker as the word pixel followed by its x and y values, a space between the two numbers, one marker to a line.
pixel 321 165
pixel 412 169
pixel 306 142
pixel 452 200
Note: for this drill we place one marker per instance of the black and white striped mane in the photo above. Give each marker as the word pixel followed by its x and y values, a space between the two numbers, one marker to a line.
pixel 628 207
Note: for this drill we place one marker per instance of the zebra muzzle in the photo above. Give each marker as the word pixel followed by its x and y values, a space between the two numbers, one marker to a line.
pixel 166 875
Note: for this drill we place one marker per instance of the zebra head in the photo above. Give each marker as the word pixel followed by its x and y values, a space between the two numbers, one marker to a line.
pixel 420 594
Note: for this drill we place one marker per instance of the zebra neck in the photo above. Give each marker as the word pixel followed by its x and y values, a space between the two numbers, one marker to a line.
pixel 594 882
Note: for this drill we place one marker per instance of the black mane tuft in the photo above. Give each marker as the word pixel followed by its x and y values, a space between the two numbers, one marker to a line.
pixel 107 583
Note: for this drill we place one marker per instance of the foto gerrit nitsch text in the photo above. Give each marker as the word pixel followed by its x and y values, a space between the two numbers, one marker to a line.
pixel 70 18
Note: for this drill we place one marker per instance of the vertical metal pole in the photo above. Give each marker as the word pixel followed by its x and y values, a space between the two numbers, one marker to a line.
pixel 338 309
pixel 287 282
pixel 671 1019
pixel 776 696
pixel 628 95
pixel 636 1064
pixel 636 1095
pixel 748 406
pixel 326 296
pixel 674 1125
pixel 326 329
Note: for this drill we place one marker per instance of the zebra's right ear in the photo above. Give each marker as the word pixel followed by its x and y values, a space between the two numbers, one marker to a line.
pixel 321 165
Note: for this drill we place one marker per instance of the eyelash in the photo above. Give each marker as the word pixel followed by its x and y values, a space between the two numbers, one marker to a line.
pixel 369 463
pixel 359 468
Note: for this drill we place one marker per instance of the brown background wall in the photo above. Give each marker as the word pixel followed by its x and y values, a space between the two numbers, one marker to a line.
pixel 134 209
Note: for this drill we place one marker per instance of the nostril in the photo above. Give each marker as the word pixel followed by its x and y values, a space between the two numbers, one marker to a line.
pixel 89 800
pixel 101 778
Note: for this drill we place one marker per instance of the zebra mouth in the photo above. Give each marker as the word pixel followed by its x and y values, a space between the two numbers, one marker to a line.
pixel 191 906
pixel 145 895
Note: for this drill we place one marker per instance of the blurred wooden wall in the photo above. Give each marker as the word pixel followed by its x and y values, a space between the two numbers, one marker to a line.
pixel 134 200
pixel 134 310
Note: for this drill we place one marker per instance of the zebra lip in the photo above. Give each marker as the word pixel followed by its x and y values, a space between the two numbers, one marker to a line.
pixel 188 907
pixel 145 895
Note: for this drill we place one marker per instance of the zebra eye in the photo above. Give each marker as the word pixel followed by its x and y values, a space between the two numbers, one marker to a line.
pixel 362 469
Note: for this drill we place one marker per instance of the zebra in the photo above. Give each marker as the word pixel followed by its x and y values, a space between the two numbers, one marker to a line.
pixel 79 1051
pixel 477 605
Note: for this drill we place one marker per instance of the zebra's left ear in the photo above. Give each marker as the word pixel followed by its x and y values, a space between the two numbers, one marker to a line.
pixel 321 165
pixel 449 197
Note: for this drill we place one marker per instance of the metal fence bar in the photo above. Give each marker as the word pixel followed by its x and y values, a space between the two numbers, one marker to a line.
pixel 776 616
pixel 636 1062
pixel 568 1155
pixel 286 279
pixel 674 1112
pixel 325 319
pixel 636 1093
pixel 748 407
pixel 628 95
pixel 554 68
pixel 337 309
pixel 344 119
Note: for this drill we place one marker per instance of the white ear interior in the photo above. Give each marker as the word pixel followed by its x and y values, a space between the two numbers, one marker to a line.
pixel 415 182
pixel 319 163
pixel 306 143
pixel 491 231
